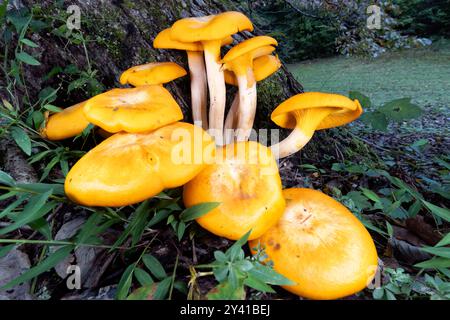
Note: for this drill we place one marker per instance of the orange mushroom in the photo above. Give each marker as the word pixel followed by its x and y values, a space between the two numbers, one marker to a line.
pixel 308 112
pixel 210 31
pixel 128 168
pixel 154 73
pixel 65 124
pixel 245 180
pixel 133 110
pixel 320 245
pixel 240 60
pixel 263 67
pixel 197 71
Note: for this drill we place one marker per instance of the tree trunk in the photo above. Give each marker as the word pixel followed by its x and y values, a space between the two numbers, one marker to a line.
pixel 120 35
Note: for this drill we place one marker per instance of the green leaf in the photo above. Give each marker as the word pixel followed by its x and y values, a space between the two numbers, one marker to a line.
pixel 35 209
pixel 371 195
pixel 52 108
pixel 4 250
pixel 378 293
pixel 29 43
pixel 269 275
pixel 26 58
pixel 400 110
pixel 125 283
pixel 163 289
pixel 444 241
pixel 443 213
pixel 390 229
pixel 154 266
pixel 6 179
pixel 19 21
pixel 8 195
pixel 144 293
pixel 50 262
pixel 56 188
pixel 236 248
pixel 435 263
pixel 22 139
pixel 225 291
pixel 257 284
pixel 376 120
pixel 441 252
pixel 363 99
pixel 181 228
pixel 3 7
pixel 136 226
pixel 197 211
pixel 143 277
pixel 11 207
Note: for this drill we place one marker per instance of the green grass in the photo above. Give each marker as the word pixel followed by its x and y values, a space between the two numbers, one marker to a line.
pixel 422 74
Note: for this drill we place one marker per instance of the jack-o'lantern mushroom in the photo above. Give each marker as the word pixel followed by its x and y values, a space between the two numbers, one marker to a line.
pixel 133 110
pixel 128 168
pixel 308 112
pixel 210 31
pixel 196 62
pixel 263 67
pixel 320 245
pixel 154 73
pixel 65 124
pixel 245 181
pixel 72 120
pixel 240 60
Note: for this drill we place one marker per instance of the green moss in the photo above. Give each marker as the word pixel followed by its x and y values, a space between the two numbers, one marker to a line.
pixel 106 32
pixel 145 55
pixel 128 4
pixel 270 94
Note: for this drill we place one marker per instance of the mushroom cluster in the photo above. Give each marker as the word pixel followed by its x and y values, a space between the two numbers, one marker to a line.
pixel 310 238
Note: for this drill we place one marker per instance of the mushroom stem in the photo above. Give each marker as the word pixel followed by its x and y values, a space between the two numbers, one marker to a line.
pixel 231 120
pixel 247 105
pixel 217 90
pixel 199 95
pixel 307 120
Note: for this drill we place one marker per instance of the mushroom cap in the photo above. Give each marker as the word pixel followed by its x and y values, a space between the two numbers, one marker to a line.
pixel 214 27
pixel 263 67
pixel 250 46
pixel 127 168
pixel 321 246
pixel 154 73
pixel 65 124
pixel 164 41
pixel 346 110
pixel 133 110
pixel 247 184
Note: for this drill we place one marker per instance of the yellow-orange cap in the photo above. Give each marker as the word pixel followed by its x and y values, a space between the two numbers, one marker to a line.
pixel 164 41
pixel 133 110
pixel 252 46
pixel 154 73
pixel 321 246
pixel 245 180
pixel 342 109
pixel 65 124
pixel 127 168
pixel 263 67
pixel 214 27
